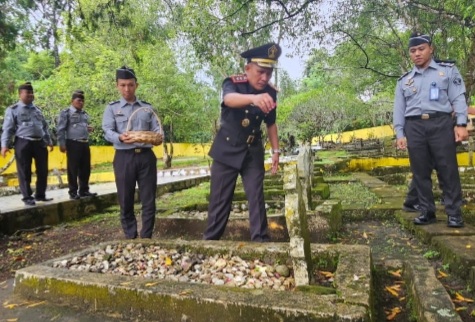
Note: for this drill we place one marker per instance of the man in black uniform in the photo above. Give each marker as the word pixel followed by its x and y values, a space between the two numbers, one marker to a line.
pixel 134 162
pixel 26 123
pixel 248 100
pixel 424 101
pixel 73 138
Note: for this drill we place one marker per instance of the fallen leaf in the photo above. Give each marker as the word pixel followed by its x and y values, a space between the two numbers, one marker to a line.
pixel 441 274
pixel 151 284
pixel 365 236
pixel 10 306
pixel 461 308
pixel 395 273
pixel 36 304
pixel 12 320
pixel 460 298
pixel 355 277
pixel 393 292
pixel 275 226
pixel 468 246
pixel 168 261
pixel 27 247
pixel 241 245
pixel 326 274
pixel 392 314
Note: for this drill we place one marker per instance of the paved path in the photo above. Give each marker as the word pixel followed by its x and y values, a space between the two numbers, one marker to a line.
pixel 14 202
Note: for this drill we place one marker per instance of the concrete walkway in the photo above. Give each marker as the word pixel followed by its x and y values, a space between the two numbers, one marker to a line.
pixel 59 195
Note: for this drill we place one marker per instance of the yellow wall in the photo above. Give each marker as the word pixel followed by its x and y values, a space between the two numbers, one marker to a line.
pixel 104 154
pixel 369 133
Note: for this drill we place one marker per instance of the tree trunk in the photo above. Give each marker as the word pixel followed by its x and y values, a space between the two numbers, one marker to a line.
pixel 470 74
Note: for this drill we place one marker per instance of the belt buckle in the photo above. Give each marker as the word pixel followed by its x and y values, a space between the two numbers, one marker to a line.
pixel 137 150
pixel 425 116
pixel 250 139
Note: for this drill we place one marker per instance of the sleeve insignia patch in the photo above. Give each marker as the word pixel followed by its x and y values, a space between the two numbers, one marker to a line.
pixel 241 78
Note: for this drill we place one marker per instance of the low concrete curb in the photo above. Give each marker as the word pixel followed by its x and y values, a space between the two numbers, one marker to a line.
pixel 431 303
pixel 161 300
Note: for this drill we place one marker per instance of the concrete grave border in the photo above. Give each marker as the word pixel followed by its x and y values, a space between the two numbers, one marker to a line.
pixel 163 300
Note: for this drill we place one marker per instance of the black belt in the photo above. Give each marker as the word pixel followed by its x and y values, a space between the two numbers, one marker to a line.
pixel 427 116
pixel 79 140
pixel 136 150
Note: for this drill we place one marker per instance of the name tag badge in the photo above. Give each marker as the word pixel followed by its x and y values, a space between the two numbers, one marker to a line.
pixel 434 92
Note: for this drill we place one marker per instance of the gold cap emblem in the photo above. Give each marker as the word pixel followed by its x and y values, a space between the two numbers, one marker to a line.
pixel 272 52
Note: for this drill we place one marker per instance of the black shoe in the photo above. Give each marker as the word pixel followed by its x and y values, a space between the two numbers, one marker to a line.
pixel 87 194
pixel 455 221
pixel 43 199
pixel 411 208
pixel 29 202
pixel 425 218
pixel 73 196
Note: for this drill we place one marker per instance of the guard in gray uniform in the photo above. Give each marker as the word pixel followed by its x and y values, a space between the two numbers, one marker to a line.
pixel 134 163
pixel 25 124
pixel 424 101
pixel 73 138
pixel 248 100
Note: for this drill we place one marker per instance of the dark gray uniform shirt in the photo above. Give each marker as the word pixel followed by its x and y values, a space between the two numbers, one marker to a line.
pixel 116 117
pixel 72 125
pixel 413 93
pixel 24 121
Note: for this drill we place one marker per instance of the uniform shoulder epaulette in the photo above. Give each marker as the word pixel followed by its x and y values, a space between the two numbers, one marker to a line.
pixel 240 78
pixel 146 103
pixel 114 102
pixel 14 106
pixel 446 63
pixel 402 76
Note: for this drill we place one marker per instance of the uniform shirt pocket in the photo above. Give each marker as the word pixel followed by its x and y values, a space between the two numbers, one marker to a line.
pixel 409 92
pixel 142 121
pixel 231 137
pixel 443 85
pixel 24 118
pixel 121 123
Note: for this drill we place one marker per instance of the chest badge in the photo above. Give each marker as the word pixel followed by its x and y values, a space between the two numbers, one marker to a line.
pixel 245 122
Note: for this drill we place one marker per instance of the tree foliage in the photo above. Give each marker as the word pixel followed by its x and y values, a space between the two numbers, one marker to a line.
pixel 181 51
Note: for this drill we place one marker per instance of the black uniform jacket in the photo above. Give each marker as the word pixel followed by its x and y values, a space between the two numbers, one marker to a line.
pixel 240 128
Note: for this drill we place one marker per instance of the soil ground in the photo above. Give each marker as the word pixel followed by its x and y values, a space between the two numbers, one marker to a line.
pixel 390 244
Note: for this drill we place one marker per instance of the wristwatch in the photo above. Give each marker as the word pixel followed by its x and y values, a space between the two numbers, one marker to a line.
pixel 276 151
pixel 462 125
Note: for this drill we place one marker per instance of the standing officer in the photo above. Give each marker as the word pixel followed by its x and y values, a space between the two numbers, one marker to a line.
pixel 424 101
pixel 26 122
pixel 133 162
pixel 73 138
pixel 248 100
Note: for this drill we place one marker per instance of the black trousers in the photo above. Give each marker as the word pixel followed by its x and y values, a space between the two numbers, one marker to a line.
pixel 223 183
pixel 131 167
pixel 412 197
pixel 431 144
pixel 79 166
pixel 25 152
